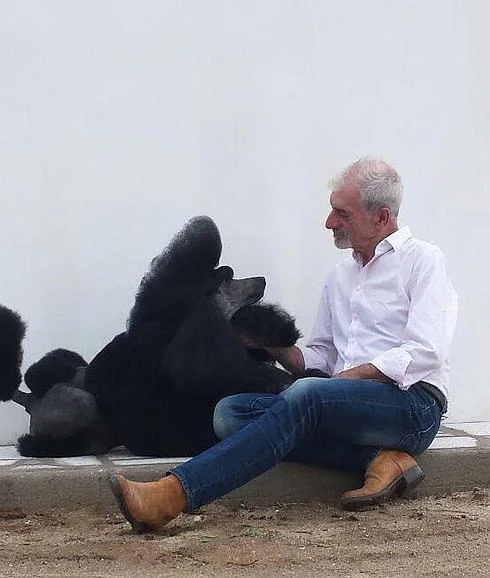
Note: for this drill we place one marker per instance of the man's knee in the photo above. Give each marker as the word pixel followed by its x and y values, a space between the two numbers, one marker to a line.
pixel 305 387
pixel 225 422
pixel 234 412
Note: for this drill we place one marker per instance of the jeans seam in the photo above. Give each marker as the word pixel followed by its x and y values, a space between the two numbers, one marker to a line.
pixel 256 404
pixel 421 432
pixel 192 494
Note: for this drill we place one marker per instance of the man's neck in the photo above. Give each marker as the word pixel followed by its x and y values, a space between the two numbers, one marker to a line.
pixel 367 254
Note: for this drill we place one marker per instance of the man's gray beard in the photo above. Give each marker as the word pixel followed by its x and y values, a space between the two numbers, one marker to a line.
pixel 342 242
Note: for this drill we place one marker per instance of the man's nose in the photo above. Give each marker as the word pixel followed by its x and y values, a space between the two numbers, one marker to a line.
pixel 331 222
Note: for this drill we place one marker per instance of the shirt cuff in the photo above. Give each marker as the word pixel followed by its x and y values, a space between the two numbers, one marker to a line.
pixel 312 359
pixel 394 363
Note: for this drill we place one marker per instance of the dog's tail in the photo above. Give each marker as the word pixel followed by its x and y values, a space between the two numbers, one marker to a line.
pixel 12 332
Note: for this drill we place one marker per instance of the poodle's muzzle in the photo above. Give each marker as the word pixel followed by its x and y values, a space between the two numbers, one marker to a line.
pixel 233 294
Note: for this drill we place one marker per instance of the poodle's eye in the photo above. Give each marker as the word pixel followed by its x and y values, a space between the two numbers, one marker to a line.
pixel 225 273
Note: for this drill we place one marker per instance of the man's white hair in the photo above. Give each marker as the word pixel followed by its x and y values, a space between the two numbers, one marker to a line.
pixel 381 186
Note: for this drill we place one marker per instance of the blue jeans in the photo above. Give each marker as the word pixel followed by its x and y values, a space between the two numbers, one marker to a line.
pixel 335 423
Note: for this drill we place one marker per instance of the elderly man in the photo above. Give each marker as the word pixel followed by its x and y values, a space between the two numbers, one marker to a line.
pixel 383 331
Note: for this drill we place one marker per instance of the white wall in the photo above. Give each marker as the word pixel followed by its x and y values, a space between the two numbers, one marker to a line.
pixel 119 120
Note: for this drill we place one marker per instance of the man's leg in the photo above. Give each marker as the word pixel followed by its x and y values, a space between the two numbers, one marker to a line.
pixel 322 448
pixel 391 473
pixel 363 412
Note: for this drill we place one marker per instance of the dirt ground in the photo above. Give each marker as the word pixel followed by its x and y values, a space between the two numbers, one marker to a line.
pixel 444 536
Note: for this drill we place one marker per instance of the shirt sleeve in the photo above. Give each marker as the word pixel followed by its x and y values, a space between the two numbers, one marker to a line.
pixel 430 325
pixel 320 352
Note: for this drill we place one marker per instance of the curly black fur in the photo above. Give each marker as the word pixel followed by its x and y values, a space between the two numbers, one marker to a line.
pixel 96 439
pixel 266 324
pixel 179 276
pixel 157 383
pixel 57 366
pixel 64 417
pixel 12 333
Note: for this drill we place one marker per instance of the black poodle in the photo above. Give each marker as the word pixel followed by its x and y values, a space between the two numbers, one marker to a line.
pixel 156 384
pixel 12 333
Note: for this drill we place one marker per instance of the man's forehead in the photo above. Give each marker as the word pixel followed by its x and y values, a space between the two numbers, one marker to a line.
pixel 346 196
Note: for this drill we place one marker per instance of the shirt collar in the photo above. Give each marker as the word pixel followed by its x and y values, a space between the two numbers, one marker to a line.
pixel 393 241
pixel 396 239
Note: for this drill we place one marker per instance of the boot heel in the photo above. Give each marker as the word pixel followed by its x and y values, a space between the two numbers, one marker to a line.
pixel 411 479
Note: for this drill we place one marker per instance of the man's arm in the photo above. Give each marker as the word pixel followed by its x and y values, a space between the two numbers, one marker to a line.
pixel 427 334
pixel 364 371
pixel 319 352
pixel 290 358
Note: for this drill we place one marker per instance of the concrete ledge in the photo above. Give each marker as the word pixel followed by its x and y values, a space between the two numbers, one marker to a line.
pixel 41 490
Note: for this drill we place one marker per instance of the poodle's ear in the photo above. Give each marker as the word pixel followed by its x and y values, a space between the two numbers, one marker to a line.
pixel 176 274
pixel 12 333
pixel 266 325
pixel 204 353
pixel 57 366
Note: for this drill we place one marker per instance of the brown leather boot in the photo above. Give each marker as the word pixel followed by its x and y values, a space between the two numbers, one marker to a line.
pixel 388 475
pixel 149 505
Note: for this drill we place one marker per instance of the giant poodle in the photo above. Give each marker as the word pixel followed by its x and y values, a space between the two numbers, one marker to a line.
pixel 153 388
pixel 12 333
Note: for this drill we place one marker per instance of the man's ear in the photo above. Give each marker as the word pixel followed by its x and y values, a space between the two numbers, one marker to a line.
pixel 384 216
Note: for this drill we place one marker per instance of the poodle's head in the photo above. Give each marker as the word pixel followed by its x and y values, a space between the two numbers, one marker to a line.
pixel 230 294
pixel 186 279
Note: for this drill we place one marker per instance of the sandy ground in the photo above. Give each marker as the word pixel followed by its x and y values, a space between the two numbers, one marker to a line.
pixel 444 536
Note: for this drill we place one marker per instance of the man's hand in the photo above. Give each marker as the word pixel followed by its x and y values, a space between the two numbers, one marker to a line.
pixel 365 371
pixel 290 358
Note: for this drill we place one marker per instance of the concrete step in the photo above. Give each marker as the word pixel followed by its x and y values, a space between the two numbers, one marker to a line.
pixel 459 459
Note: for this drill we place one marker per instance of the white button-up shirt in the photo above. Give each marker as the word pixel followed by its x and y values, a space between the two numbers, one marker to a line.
pixel 398 313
